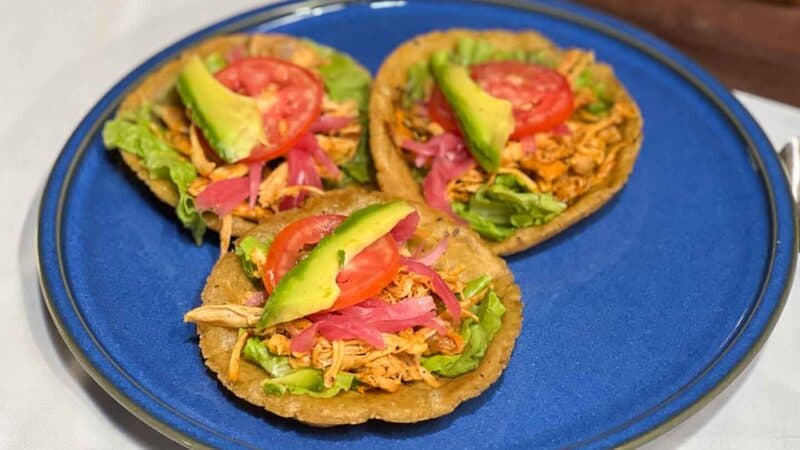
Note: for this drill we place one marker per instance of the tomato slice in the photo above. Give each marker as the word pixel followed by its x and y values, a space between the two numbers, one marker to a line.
pixel 292 242
pixel 441 112
pixel 291 96
pixel 541 97
pixel 361 278
pixel 368 273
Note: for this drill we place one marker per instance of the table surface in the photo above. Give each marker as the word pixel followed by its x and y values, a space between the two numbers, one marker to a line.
pixel 65 55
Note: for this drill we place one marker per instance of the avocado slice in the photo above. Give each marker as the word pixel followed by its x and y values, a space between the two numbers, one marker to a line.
pixel 485 121
pixel 305 379
pixel 311 285
pixel 231 123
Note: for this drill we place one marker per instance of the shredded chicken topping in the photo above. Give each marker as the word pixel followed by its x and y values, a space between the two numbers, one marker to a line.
pixel 409 284
pixel 386 369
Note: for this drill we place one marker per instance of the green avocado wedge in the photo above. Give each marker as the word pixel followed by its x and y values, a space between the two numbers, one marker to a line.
pixel 311 286
pixel 486 121
pixel 231 123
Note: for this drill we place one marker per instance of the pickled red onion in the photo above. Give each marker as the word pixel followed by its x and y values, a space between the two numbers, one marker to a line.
pixel 367 320
pixel 220 197
pixel 437 284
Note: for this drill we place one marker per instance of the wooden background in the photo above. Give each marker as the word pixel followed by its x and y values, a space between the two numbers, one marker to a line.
pixel 749 45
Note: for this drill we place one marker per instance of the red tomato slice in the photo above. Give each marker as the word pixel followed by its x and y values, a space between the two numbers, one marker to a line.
pixel 361 278
pixel 368 273
pixel 541 97
pixel 292 96
pixel 292 242
pixel 441 112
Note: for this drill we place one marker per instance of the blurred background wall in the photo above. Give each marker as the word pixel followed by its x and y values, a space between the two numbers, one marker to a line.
pixel 752 45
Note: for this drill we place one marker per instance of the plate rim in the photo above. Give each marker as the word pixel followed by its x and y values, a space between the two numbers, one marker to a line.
pixel 713 91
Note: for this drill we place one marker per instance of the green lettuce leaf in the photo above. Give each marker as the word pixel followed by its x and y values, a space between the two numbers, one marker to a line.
pixel 510 55
pixel 603 100
pixel 477 336
pixel 309 382
pixel 257 353
pixel 496 210
pixel 483 226
pixel 467 52
pixel 248 249
pixel 132 133
pixel 542 58
pixel 284 379
pixel 215 62
pixel 475 286
pixel 417 81
pixel 470 51
pixel 359 168
pixel 490 313
pixel 344 79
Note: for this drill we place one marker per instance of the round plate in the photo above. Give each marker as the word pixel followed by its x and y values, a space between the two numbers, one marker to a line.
pixel 634 318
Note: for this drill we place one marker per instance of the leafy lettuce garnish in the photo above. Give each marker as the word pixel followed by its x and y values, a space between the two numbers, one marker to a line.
pixel 249 250
pixel 603 99
pixel 419 77
pixel 284 379
pixel 309 382
pixel 215 62
pixel 497 209
pixel 359 168
pixel 468 52
pixel 539 57
pixel 471 51
pixel 344 79
pixel 477 336
pixel 542 58
pixel 476 286
pixel 133 133
pixel 256 352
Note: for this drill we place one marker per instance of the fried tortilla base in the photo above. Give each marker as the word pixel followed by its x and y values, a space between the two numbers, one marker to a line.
pixel 159 86
pixel 413 402
pixel 393 174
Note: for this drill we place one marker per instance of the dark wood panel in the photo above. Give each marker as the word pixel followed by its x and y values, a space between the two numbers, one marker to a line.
pixel 749 45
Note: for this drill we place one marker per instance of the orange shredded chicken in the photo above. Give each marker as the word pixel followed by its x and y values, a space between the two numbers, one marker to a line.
pixel 236 354
pixel 229 171
pixel 198 155
pixel 383 369
pixel 388 368
pixel 225 230
pixel 409 284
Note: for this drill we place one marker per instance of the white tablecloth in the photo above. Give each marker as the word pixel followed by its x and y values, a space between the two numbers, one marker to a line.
pixel 58 59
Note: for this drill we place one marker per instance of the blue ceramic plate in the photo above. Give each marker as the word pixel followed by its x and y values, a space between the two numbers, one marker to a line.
pixel 633 318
